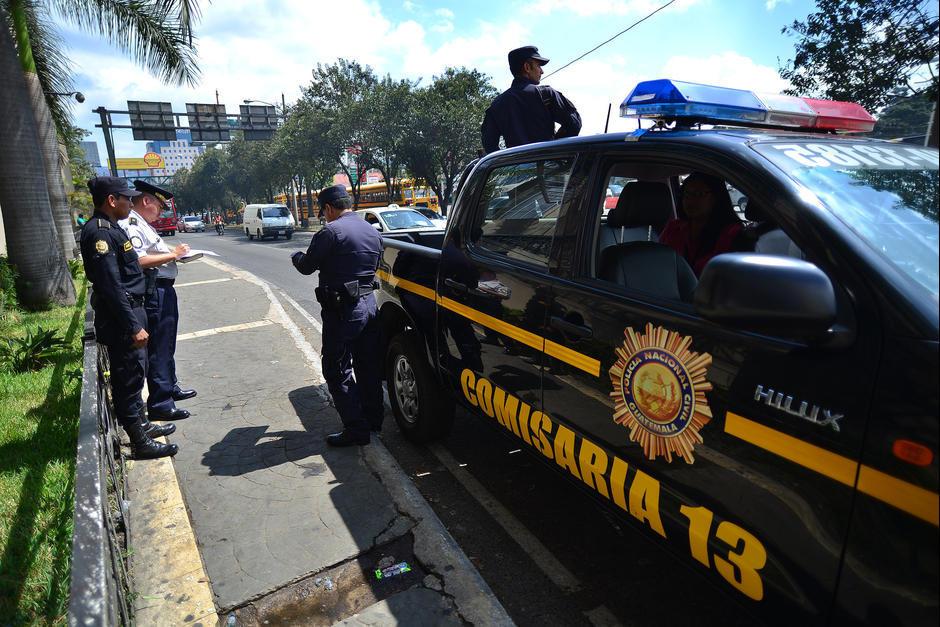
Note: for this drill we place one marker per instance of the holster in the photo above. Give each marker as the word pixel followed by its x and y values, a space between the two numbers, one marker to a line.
pixel 150 282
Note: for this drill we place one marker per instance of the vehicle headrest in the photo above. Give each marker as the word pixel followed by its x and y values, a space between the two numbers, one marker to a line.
pixel 642 203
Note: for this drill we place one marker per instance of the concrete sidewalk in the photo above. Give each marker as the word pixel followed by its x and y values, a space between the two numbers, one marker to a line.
pixel 288 530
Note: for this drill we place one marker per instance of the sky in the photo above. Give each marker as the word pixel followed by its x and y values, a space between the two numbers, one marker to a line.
pixel 259 49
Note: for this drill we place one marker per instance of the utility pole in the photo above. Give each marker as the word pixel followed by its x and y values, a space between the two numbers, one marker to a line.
pixel 108 140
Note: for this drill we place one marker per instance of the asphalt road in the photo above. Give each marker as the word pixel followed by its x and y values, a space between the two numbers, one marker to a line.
pixel 545 547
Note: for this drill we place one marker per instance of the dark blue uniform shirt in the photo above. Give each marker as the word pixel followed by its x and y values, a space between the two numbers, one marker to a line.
pixel 112 267
pixel 346 249
pixel 526 113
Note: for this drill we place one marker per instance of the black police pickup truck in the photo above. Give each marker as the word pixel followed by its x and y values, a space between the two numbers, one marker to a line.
pixel 772 418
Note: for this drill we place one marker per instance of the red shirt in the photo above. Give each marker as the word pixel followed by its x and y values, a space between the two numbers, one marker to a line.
pixel 676 236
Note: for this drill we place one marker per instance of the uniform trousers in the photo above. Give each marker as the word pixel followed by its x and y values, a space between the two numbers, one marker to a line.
pixel 128 366
pixel 351 337
pixel 162 320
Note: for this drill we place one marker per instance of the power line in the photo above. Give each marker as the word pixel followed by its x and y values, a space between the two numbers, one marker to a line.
pixel 604 43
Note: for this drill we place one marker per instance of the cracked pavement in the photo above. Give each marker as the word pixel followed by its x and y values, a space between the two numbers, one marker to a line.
pixel 270 504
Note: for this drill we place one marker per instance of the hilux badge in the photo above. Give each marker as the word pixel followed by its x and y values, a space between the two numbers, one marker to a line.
pixel 659 390
pixel 785 403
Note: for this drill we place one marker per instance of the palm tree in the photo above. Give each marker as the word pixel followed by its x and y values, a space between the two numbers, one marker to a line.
pixel 155 33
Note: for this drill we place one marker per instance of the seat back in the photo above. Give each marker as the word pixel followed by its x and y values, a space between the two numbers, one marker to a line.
pixel 650 267
pixel 642 211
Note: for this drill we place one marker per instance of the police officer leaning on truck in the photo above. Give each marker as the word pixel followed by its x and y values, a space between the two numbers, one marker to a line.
pixel 527 112
pixel 346 252
pixel 118 300
pixel 159 264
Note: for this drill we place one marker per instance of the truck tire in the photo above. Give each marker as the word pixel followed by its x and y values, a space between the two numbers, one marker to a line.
pixel 250 236
pixel 423 411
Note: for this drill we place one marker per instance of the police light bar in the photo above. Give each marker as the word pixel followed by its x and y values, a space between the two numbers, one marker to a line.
pixel 670 100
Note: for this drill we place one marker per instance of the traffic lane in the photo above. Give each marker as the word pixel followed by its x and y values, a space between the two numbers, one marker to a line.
pixel 267 259
pixel 617 566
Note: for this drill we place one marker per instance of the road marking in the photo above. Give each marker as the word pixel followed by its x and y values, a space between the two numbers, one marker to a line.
pixel 280 316
pixel 228 329
pixel 543 558
pixel 303 312
pixel 202 282
pixel 600 616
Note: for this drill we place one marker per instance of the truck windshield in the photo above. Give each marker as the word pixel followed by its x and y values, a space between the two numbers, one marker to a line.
pixel 275 212
pixel 884 193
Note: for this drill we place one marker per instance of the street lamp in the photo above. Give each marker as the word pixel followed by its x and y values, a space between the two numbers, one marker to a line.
pixel 79 96
pixel 264 102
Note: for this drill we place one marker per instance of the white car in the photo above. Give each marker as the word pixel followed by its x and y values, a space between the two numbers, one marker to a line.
pixel 191 224
pixel 395 218
pixel 435 217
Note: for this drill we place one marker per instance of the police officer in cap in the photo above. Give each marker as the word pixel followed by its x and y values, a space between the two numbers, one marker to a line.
pixel 159 263
pixel 118 300
pixel 346 252
pixel 527 112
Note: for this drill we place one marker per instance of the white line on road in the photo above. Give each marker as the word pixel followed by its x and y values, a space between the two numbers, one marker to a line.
pixel 311 355
pixel 600 616
pixel 202 282
pixel 228 329
pixel 303 312
pixel 543 558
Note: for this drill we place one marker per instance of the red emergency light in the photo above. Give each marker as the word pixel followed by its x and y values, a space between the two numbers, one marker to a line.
pixel 841 116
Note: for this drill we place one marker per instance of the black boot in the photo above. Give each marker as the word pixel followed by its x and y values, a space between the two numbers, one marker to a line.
pixel 157 431
pixel 144 447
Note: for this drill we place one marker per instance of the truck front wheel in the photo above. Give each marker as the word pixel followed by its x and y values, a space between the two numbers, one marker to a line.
pixel 423 410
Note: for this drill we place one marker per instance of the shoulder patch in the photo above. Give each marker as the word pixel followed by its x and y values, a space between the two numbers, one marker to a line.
pixel 101 246
pixel 132 221
pixel 128 246
pixel 103 224
pixel 136 241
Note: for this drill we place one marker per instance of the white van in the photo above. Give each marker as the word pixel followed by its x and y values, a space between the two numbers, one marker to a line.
pixel 268 220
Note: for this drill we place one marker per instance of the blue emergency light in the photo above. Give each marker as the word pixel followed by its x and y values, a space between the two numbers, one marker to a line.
pixel 692 103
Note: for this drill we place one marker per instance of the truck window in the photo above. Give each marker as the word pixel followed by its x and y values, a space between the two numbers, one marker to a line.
pixel 519 209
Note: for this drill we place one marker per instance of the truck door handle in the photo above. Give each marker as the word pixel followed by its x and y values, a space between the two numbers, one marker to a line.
pixel 570 328
pixel 456 286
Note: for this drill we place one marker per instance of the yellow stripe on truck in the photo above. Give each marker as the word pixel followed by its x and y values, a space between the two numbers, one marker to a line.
pixel 898 493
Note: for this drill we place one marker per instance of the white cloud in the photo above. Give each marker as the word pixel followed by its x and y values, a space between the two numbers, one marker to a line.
pixel 445 13
pixel 584 8
pixel 409 6
pixel 726 69
pixel 772 4
pixel 446 24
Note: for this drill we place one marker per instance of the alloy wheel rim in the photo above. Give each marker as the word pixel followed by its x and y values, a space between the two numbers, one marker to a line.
pixel 406 389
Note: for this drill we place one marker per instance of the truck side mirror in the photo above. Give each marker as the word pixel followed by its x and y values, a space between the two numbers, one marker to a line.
pixel 766 294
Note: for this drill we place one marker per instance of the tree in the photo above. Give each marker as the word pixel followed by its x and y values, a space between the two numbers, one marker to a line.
pixel 302 143
pixel 384 115
pixel 156 33
pixel 866 51
pixel 905 117
pixel 444 135
pixel 336 92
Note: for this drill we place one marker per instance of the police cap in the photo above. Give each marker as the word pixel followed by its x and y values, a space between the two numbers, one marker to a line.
pixel 331 194
pixel 520 55
pixel 158 192
pixel 103 186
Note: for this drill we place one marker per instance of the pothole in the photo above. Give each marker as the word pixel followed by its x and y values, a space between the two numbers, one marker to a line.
pixel 338 592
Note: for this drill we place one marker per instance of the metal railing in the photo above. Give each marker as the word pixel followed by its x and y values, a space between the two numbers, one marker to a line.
pixel 100 593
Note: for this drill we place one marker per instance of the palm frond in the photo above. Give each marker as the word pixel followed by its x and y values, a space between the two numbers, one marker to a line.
pixel 157 34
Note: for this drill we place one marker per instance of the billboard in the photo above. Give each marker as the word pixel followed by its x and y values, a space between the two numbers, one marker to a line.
pixel 150 161
pixel 152 121
pixel 208 122
pixel 258 121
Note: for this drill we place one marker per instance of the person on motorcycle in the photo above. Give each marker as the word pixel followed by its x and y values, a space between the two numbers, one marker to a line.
pixel 219 225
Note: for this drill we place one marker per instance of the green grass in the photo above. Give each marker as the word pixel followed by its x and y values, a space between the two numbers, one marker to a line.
pixel 38 432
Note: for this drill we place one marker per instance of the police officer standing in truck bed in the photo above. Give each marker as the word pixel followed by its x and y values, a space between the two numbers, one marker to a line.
pixel 118 300
pixel 346 252
pixel 527 112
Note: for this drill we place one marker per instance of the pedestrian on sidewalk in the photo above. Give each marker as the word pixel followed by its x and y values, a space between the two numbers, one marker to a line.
pixel 118 300
pixel 159 262
pixel 527 112
pixel 346 252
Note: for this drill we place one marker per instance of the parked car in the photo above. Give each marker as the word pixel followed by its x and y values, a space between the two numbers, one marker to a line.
pixel 270 220
pixel 191 224
pixel 395 218
pixel 434 216
pixel 769 418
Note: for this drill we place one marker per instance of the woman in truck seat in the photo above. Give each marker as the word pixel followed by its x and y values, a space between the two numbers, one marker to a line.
pixel 707 224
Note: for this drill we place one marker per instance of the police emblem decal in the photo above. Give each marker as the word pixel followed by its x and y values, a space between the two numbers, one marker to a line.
pixel 136 242
pixel 101 246
pixel 659 390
